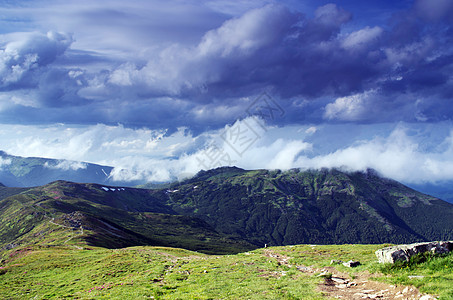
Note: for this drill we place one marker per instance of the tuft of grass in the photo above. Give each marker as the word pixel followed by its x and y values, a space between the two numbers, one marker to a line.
pixel 429 272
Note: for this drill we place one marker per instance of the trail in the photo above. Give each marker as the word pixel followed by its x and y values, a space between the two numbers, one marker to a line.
pixel 72 231
pixel 342 286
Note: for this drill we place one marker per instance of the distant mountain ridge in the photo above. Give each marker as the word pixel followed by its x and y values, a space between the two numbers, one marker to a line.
pixel 226 210
pixel 17 171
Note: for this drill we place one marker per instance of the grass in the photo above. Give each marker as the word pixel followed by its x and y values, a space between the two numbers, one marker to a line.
pixel 430 273
pixel 146 272
pixel 169 273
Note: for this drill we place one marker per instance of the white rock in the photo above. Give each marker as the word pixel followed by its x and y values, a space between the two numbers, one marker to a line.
pixel 404 252
pixel 415 277
pixel 339 280
pixel 427 297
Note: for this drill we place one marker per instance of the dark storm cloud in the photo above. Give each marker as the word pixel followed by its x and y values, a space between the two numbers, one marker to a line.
pixel 27 54
pixel 318 66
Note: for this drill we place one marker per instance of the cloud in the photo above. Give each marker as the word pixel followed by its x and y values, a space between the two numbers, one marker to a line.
pixel 361 39
pixel 407 152
pixel 66 165
pixel 240 36
pixel 435 10
pixel 398 156
pixel 157 65
pixel 4 162
pixel 26 53
pixel 351 108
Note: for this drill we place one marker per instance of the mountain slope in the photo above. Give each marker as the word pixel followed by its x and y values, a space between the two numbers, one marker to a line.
pixel 327 206
pixel 227 210
pixel 64 213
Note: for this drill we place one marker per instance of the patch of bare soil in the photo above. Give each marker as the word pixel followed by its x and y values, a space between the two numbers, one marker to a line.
pixel 341 286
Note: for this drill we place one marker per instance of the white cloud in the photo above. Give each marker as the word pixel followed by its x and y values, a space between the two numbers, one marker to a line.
pixel 350 108
pixel 398 156
pixel 4 162
pixel 362 38
pixel 243 35
pixel 66 165
pixel 407 152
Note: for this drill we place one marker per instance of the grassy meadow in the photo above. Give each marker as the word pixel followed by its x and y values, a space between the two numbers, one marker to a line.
pixel 56 272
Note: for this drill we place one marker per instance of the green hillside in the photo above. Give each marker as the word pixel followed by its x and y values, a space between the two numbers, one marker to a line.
pixel 226 210
pixel 293 207
pixel 85 241
pixel 60 214
pixel 290 272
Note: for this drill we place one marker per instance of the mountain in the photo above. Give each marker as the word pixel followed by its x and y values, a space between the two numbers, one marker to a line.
pixel 443 190
pixel 96 215
pixel 326 206
pixel 17 171
pixel 226 210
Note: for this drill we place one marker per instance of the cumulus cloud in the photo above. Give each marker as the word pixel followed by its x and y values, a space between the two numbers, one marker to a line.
pixel 351 108
pixel 405 152
pixel 398 156
pixel 163 79
pixel 24 53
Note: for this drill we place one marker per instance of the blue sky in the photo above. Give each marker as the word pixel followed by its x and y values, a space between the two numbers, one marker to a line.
pixel 162 89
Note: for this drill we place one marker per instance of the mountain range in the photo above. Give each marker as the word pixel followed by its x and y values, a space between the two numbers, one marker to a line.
pixel 17 171
pixel 226 210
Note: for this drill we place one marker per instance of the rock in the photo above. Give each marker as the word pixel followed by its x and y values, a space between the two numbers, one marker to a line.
pixel 339 280
pixel 336 262
pixel 362 295
pixel 351 264
pixel 404 252
pixel 415 277
pixel 341 286
pixel 304 269
pixel 427 297
pixel 323 274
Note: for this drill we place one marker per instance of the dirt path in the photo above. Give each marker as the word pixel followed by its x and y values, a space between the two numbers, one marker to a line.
pixel 342 286
pixel 72 230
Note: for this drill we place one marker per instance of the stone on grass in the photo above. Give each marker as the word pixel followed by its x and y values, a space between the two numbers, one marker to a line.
pixel 404 252
pixel 351 264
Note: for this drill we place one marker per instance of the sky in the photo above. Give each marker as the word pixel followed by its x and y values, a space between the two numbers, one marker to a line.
pixel 162 89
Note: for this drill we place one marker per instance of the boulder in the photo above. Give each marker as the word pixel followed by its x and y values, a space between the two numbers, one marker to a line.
pixel 404 252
